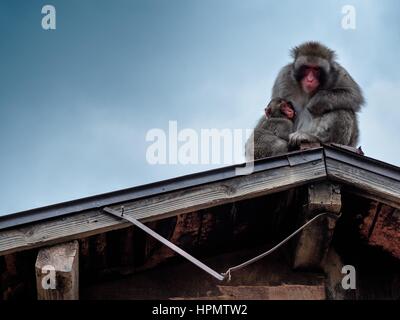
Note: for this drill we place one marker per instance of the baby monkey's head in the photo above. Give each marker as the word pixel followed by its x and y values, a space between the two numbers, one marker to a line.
pixel 280 108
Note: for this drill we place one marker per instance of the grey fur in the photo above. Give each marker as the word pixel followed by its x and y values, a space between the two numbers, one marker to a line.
pixel 271 135
pixel 328 115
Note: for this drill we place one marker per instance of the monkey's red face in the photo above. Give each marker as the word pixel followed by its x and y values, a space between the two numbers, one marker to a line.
pixel 287 109
pixel 310 80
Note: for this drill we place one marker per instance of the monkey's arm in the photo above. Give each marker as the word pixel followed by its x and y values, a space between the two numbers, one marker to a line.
pixel 345 95
pixel 336 126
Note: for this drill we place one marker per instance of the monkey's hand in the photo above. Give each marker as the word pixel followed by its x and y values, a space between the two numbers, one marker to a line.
pixel 298 137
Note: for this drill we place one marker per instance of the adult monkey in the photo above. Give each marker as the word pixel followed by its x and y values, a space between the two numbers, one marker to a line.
pixel 325 96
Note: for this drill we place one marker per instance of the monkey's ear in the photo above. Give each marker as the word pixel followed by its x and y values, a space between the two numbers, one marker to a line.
pixel 293 108
pixel 268 112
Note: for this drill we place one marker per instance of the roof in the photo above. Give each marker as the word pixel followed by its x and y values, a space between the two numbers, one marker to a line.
pixel 83 217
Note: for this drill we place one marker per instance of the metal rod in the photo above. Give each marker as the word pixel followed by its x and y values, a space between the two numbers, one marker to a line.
pixel 168 243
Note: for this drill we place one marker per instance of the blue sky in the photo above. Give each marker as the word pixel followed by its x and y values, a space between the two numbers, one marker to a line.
pixel 76 102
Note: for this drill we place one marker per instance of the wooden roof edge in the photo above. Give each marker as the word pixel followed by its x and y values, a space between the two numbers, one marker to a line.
pixel 38 227
pixel 372 178
pixel 156 188
pixel 270 176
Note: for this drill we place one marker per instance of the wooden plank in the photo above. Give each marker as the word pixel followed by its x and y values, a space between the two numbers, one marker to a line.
pixel 314 241
pixel 332 267
pixel 312 145
pixel 62 262
pixel 93 222
pixel 371 183
pixel 324 196
pixel 283 292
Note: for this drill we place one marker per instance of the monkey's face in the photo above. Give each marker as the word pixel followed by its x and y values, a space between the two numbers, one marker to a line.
pixel 311 73
pixel 310 79
pixel 280 108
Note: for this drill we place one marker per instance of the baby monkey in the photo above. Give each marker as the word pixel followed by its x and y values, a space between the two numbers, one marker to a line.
pixel 271 136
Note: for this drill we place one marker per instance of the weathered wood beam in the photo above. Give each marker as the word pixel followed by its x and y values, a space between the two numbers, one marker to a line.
pixel 314 241
pixel 375 180
pixel 57 272
pixel 283 292
pixel 264 292
pixel 332 267
pixel 84 224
